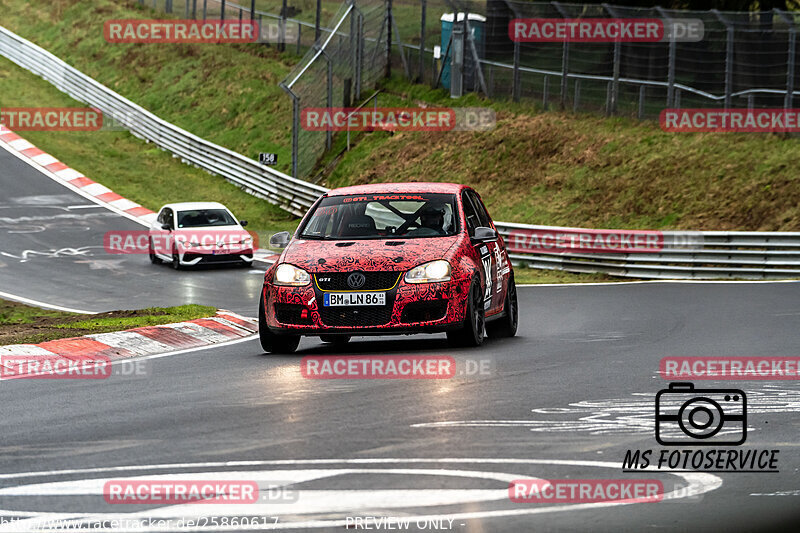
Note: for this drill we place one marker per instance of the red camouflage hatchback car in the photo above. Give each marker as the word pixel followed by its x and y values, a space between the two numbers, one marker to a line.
pixel 384 259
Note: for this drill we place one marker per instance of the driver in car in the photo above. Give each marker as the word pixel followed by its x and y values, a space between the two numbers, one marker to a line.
pixel 431 221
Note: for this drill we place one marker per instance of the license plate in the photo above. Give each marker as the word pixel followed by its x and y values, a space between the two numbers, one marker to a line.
pixel 334 299
pixel 220 252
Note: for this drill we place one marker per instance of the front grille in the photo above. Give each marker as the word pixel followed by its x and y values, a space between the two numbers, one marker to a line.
pixel 375 281
pixel 424 311
pixel 356 316
pixel 291 314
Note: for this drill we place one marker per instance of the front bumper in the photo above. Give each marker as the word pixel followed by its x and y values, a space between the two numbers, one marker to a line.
pixel 196 257
pixel 410 308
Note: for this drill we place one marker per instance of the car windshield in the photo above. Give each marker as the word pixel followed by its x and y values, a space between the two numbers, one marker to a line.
pixel 383 216
pixel 203 218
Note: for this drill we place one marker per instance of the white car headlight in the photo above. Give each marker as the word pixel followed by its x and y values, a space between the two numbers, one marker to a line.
pixel 246 240
pixel 431 272
pixel 287 274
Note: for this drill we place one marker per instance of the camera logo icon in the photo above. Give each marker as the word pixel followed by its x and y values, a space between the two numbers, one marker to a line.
pixel 686 416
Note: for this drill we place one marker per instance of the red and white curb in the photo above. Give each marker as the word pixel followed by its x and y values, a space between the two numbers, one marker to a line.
pixel 88 188
pixel 70 177
pixel 146 341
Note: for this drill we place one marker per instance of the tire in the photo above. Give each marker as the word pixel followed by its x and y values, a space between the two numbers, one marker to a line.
pixel 507 325
pixel 270 342
pixel 153 258
pixel 336 340
pixel 471 332
pixel 176 263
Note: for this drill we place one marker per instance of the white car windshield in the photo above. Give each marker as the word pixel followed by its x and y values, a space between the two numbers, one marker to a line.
pixel 203 218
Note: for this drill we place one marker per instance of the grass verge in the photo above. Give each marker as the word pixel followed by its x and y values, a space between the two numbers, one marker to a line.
pixel 22 324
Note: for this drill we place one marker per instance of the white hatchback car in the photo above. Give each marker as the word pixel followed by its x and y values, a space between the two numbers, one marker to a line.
pixel 191 233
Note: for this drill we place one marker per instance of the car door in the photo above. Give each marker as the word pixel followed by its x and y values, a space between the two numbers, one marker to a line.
pixel 500 264
pixel 485 250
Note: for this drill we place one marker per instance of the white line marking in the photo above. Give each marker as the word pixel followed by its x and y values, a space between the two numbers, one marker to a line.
pixel 37 303
pixel 700 483
pixel 59 179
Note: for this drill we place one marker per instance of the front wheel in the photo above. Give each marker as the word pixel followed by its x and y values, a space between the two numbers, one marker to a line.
pixel 270 342
pixel 507 325
pixel 176 259
pixel 471 333
pixel 153 257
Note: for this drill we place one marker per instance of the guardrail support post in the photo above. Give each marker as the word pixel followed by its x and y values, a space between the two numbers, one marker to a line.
pixel 577 98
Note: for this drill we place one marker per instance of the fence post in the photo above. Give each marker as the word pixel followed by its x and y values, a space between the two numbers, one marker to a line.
pixel 299 37
pixel 329 133
pixel 205 9
pixel 388 73
pixel 670 60
pixel 194 9
pixel 186 11
pixel 422 41
pixel 614 94
pixel 677 102
pixel 788 99
pixel 168 6
pixel 728 58
pixel 475 58
pixel 457 60
pixel 317 28
pixel 295 126
pixel 252 9
pixel 222 11
pixel 641 102
pixel 544 92
pixel 564 60
pixel 515 87
pixel 577 98
pixel 282 28
pixel 359 52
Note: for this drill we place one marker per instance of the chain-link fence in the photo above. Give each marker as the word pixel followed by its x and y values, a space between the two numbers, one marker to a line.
pixel 744 59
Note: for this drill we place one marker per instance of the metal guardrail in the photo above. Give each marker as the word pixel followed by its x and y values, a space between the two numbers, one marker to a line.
pixel 721 254
pixel 293 195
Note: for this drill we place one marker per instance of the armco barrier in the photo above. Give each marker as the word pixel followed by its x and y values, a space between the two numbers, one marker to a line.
pixel 750 255
pixel 291 194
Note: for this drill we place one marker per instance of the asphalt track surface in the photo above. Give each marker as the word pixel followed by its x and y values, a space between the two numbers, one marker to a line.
pixel 564 399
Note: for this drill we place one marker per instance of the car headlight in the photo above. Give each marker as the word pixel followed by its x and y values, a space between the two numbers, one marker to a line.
pixel 287 274
pixel 246 240
pixel 429 272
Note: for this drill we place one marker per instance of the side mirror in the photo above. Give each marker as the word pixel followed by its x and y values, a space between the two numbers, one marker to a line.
pixel 165 227
pixel 482 233
pixel 243 223
pixel 279 240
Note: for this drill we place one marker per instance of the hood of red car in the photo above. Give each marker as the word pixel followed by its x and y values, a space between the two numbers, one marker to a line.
pixel 366 255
